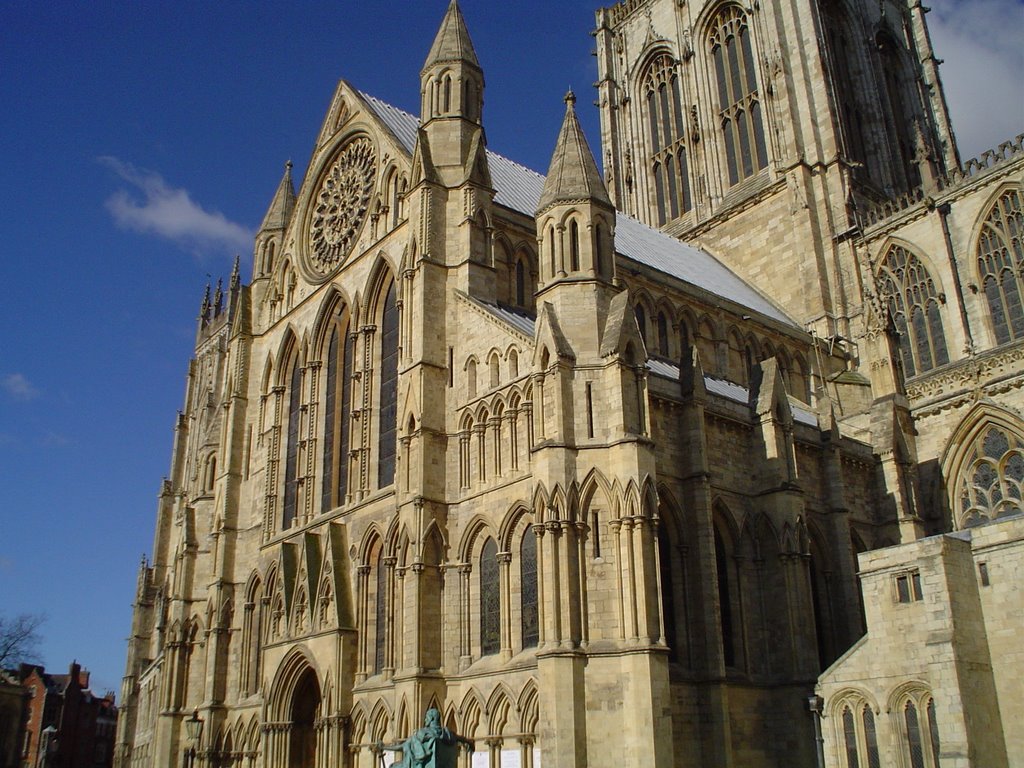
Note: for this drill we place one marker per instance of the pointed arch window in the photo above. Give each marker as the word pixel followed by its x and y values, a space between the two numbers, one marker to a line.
pixel 668 589
pixel 380 604
pixel 490 600
pixel 520 283
pixel 990 483
pixel 574 246
pixel 910 293
pixel 662 334
pixel 897 93
pixel 291 464
pixel 388 425
pixel 528 581
pixel 663 111
pixel 739 103
pixel 1001 266
pixel 337 413
pixel 725 612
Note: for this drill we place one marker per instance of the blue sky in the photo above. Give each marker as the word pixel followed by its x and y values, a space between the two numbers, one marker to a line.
pixel 143 142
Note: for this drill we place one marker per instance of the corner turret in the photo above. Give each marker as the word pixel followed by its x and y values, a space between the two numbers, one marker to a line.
pixel 452 101
pixel 575 216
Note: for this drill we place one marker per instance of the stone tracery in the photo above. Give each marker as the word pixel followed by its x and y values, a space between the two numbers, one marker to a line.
pixel 341 205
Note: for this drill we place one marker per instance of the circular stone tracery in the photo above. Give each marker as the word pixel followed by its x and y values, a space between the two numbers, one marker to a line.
pixel 340 205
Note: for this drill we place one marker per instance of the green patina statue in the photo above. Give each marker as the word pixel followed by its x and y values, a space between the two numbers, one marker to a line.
pixel 432 746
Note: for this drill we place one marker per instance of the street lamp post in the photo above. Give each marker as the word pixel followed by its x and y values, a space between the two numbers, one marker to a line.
pixel 194 731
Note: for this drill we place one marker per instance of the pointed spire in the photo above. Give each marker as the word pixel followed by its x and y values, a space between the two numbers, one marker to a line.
pixel 283 204
pixel 452 42
pixel 573 174
pixel 218 297
pixel 204 308
pixel 236 274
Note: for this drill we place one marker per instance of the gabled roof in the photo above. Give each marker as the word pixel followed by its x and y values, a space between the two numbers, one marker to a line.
pixel 520 189
pixel 452 42
pixel 573 174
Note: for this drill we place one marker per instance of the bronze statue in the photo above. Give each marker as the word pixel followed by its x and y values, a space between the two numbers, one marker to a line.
pixel 432 746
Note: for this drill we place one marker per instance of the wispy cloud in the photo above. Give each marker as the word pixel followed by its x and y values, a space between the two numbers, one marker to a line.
pixel 980 42
pixel 153 207
pixel 17 387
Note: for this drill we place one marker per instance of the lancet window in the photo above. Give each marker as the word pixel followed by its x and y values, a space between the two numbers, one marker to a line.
pixel 991 482
pixel 291 464
pixel 388 424
pixel 739 103
pixel 860 736
pixel 490 599
pixel 663 111
pixel 528 586
pixel 910 293
pixel 337 412
pixel 1001 266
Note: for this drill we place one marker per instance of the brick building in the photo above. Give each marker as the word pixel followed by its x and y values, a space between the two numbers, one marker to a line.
pixel 66 724
pixel 586 461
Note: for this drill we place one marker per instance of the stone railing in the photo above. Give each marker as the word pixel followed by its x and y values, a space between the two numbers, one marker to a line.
pixel 620 11
pixel 1006 151
pixel 990 159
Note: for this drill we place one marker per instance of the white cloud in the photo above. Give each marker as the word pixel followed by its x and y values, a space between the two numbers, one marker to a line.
pixel 18 387
pixel 982 44
pixel 169 212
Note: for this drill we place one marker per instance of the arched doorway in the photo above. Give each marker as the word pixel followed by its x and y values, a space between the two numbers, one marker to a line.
pixel 304 710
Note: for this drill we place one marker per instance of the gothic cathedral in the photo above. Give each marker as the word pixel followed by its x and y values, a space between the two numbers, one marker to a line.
pixel 595 463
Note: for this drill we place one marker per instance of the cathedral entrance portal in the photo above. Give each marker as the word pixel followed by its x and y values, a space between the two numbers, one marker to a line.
pixel 305 705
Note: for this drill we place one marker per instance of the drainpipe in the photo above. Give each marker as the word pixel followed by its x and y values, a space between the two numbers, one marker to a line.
pixel 943 211
pixel 814 704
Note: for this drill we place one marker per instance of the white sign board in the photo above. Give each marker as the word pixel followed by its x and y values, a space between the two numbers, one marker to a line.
pixel 481 760
pixel 536 757
pixel 511 758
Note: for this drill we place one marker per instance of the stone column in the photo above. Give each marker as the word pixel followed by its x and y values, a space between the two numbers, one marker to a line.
pixel 505 588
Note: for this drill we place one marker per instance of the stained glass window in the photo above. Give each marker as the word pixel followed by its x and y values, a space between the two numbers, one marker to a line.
pixel 913 735
pixel 387 441
pixel 1001 266
pixel 871 737
pixel 664 115
pixel 490 600
pixel 380 611
pixel 291 471
pixel 337 410
pixel 739 103
pixel 933 732
pixel 850 739
pixel 528 578
pixel 991 481
pixel 912 298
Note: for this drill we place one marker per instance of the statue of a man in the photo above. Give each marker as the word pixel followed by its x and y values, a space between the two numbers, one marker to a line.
pixel 432 746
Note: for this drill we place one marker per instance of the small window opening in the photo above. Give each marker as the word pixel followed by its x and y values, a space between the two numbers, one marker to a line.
pixel 590 409
pixel 983 574
pixel 908 587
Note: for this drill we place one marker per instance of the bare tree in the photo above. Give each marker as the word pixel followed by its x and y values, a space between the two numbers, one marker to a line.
pixel 19 637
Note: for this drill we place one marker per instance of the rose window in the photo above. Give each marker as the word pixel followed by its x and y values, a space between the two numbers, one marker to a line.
pixel 340 205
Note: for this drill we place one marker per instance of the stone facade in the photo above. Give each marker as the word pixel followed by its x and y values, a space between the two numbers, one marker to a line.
pixel 481 439
pixel 937 678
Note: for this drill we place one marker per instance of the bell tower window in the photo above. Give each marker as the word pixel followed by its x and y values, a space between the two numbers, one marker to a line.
pixel 739 103
pixel 663 112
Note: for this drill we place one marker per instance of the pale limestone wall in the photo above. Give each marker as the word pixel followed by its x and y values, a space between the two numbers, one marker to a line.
pixel 950 646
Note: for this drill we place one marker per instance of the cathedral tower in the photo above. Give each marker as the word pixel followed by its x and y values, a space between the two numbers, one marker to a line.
pixel 720 121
